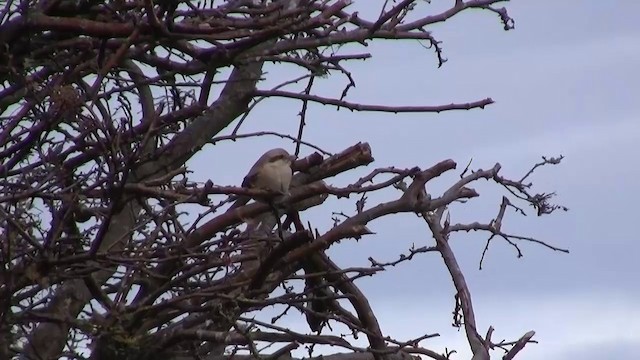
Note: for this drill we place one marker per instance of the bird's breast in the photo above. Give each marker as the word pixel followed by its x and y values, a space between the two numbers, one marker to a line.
pixel 275 176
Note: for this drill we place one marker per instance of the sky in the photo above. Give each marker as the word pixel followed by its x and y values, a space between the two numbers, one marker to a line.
pixel 565 82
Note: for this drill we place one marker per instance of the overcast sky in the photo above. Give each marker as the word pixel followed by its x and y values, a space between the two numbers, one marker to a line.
pixel 565 81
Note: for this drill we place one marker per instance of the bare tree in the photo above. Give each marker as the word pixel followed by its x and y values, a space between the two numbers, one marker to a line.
pixel 110 251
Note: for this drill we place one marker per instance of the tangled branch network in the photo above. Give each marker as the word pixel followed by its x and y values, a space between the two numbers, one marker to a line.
pixel 110 251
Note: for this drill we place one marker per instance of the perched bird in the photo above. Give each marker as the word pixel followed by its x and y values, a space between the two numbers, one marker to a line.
pixel 320 296
pixel 271 172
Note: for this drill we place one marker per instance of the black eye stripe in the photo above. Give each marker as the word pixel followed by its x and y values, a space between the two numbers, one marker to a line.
pixel 279 157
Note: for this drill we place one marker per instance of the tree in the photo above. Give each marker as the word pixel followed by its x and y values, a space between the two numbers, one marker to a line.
pixel 110 251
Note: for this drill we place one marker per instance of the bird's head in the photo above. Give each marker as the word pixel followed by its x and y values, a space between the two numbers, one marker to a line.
pixel 281 155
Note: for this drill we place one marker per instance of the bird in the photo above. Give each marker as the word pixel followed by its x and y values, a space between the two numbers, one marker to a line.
pixel 320 296
pixel 271 172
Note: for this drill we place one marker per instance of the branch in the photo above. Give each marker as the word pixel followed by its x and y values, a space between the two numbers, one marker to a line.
pixel 376 108
pixel 339 356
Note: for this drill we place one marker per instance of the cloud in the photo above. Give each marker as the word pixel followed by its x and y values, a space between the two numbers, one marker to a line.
pixel 617 350
pixel 565 324
pixel 576 139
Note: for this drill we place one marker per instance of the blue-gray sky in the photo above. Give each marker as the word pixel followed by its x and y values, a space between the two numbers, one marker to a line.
pixel 565 81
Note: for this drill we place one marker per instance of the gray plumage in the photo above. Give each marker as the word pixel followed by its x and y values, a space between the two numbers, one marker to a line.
pixel 271 172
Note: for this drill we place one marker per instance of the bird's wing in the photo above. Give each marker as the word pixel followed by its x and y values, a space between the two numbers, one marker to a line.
pixel 253 172
pixel 250 178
